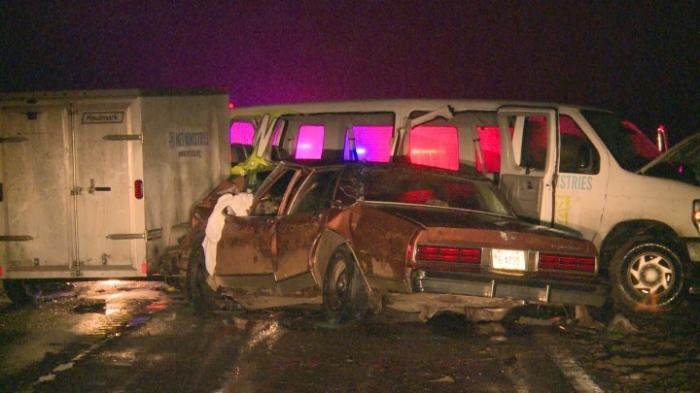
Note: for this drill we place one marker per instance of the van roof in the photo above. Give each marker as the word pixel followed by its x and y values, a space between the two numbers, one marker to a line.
pixel 378 105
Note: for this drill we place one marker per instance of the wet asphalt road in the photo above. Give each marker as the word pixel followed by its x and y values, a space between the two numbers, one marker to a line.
pixel 141 336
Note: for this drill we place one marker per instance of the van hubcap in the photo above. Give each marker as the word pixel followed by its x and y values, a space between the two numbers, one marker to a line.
pixel 650 274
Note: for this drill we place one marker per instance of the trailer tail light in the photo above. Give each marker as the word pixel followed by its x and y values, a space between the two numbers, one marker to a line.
pixel 696 213
pixel 138 189
pixel 144 268
pixel 566 262
pixel 0 271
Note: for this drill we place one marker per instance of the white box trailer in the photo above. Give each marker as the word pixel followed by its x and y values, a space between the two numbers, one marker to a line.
pixel 92 183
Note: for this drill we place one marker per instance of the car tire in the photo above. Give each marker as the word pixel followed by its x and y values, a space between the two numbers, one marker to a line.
pixel 646 276
pixel 23 292
pixel 200 293
pixel 344 294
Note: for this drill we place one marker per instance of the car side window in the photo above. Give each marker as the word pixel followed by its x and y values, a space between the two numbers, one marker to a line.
pixel 271 200
pixel 316 193
pixel 577 153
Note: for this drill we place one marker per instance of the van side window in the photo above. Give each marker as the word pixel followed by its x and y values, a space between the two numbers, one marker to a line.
pixel 372 143
pixel 577 154
pixel 534 146
pixel 490 141
pixel 326 137
pixel 240 137
pixel 242 132
pixel 310 143
pixel 436 146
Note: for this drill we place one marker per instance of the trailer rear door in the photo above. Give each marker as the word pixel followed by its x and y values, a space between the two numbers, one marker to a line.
pixel 109 199
pixel 36 228
pixel 71 197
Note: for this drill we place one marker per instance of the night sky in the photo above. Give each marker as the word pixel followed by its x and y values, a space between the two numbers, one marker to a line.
pixel 640 59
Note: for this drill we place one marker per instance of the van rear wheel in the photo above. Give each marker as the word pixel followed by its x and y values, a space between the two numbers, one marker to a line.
pixel 647 276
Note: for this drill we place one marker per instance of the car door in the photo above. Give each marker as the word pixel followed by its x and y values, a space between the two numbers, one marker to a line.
pixel 297 231
pixel 247 243
pixel 528 160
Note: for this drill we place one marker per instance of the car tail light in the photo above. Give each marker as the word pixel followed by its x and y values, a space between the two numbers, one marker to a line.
pixel 696 213
pixel 566 262
pixel 448 254
pixel 138 189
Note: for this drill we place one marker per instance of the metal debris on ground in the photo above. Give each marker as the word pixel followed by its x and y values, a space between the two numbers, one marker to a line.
pixel 620 324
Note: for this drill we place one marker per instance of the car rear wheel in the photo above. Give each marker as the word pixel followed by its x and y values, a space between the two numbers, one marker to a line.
pixel 647 276
pixel 344 294
pixel 201 294
pixel 23 292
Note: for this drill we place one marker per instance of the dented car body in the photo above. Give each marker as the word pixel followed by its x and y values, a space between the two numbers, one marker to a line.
pixel 358 237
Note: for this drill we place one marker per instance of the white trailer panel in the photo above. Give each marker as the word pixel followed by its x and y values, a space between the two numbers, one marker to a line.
pixel 94 181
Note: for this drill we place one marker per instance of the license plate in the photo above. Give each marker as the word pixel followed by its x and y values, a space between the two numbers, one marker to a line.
pixel 508 259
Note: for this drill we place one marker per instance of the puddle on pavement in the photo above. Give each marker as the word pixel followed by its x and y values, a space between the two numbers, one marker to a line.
pixel 63 325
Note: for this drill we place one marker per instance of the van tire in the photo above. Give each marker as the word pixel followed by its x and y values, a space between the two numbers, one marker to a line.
pixel 344 293
pixel 200 293
pixel 23 292
pixel 646 276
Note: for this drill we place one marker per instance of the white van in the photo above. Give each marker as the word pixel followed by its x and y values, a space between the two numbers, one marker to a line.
pixel 576 168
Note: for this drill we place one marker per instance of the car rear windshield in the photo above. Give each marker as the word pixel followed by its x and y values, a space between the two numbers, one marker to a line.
pixel 426 188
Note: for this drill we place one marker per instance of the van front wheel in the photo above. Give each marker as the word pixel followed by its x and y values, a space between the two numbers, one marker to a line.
pixel 646 276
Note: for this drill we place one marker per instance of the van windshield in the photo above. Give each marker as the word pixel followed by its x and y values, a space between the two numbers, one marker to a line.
pixel 627 144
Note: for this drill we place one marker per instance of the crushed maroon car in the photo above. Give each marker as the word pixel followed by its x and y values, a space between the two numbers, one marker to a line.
pixel 356 238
